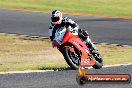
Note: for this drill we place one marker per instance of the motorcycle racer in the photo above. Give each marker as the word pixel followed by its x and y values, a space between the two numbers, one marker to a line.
pixel 59 25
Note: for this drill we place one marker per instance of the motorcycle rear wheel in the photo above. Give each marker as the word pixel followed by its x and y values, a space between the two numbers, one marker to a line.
pixel 98 62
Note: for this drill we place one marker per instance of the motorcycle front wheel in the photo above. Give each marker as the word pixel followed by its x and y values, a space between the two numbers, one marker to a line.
pixel 72 56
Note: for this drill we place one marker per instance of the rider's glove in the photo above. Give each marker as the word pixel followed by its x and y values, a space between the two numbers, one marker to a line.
pixel 54 43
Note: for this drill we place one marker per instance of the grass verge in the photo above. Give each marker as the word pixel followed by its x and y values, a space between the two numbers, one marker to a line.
pixel 24 53
pixel 93 7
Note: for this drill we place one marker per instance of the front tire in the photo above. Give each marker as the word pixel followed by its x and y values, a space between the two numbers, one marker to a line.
pixel 72 58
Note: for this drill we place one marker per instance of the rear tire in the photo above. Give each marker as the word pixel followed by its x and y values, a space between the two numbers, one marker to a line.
pixel 98 62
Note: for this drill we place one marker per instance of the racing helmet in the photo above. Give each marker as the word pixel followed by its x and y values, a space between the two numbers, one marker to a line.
pixel 56 17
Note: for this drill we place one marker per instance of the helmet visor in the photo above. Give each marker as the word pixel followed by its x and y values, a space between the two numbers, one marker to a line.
pixel 55 19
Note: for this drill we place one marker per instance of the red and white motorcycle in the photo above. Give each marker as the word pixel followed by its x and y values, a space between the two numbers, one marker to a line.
pixel 77 53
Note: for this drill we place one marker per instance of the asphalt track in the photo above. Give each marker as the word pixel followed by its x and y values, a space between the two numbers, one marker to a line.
pixel 101 29
pixel 61 79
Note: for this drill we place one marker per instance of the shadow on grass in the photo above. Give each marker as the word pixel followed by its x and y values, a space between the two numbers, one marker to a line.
pixel 55 69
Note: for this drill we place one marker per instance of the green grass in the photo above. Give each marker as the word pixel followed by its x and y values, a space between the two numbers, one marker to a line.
pixel 91 7
pixel 19 53
pixel 32 66
pixel 116 54
pixel 23 53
